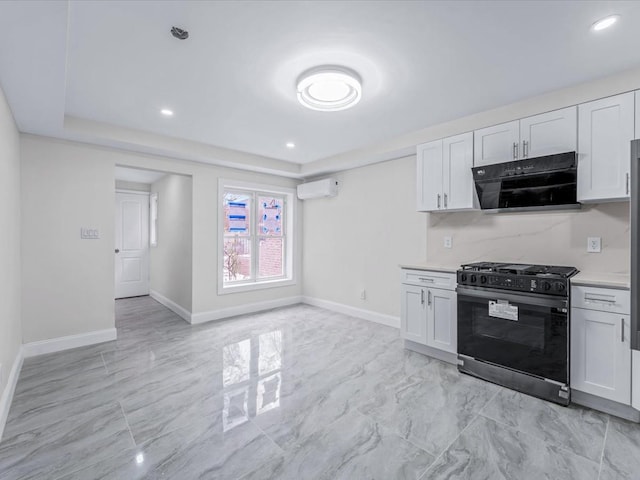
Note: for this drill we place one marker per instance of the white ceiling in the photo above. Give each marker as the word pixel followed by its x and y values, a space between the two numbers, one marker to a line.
pixel 114 65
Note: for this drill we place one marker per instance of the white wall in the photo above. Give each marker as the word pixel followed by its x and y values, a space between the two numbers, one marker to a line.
pixel 126 185
pixel 68 282
pixel 357 239
pixel 171 259
pixel 10 325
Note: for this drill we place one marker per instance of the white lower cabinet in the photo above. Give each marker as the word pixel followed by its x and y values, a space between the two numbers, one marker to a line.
pixel 413 316
pixel 601 354
pixel 429 315
pixel 442 320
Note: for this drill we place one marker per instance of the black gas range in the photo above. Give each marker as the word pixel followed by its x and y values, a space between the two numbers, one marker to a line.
pixel 545 279
pixel 513 326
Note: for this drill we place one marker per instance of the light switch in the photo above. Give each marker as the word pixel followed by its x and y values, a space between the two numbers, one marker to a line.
pixel 448 242
pixel 89 233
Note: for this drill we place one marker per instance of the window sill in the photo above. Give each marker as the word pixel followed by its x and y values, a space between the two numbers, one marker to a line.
pixel 248 287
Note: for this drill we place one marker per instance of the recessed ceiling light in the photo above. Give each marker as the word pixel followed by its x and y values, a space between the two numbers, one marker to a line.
pixel 166 112
pixel 329 88
pixel 290 145
pixel 605 23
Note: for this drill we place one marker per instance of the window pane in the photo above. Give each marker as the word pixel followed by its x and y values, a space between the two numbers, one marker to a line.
pixel 237 259
pixel 270 260
pixel 270 215
pixel 237 213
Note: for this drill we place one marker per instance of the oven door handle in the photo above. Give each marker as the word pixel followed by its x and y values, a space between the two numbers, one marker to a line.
pixel 526 299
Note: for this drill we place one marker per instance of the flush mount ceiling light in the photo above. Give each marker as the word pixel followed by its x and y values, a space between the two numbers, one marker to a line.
pixel 329 88
pixel 166 112
pixel 290 145
pixel 605 23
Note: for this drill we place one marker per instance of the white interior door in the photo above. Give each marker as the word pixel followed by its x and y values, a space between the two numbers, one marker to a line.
pixel 132 244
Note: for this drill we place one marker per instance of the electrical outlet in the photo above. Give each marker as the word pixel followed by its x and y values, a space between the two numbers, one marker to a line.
pixel 594 244
pixel 363 294
pixel 448 242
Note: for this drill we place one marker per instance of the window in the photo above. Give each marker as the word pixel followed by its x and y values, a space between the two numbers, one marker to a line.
pixel 153 219
pixel 256 236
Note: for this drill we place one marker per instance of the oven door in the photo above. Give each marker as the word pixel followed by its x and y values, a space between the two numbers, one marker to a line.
pixel 524 332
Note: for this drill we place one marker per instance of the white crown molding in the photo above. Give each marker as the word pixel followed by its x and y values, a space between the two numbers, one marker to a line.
pixel 383 319
pixel 52 345
pixel 9 390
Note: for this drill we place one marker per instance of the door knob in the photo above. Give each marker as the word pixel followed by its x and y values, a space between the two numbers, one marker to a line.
pixel 117 250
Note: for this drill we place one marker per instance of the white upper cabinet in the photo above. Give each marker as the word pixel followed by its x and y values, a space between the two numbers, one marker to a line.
pixel 606 127
pixel 496 144
pixel 430 176
pixel 445 181
pixel 457 160
pixel 544 134
pixel 549 133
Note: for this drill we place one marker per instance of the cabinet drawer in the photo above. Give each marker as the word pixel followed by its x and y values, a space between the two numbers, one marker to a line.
pixel 427 278
pixel 601 299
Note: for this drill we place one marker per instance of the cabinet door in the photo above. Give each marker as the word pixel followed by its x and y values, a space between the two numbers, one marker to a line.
pixel 605 128
pixel 496 144
pixel 601 354
pixel 430 176
pixel 549 133
pixel 413 316
pixel 442 320
pixel 457 160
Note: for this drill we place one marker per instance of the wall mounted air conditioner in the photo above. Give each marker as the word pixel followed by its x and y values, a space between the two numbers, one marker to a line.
pixel 318 189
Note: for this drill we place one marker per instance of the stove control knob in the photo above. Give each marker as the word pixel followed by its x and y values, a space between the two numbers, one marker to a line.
pixel 473 279
pixel 559 287
pixel 463 277
pixel 483 279
pixel 546 286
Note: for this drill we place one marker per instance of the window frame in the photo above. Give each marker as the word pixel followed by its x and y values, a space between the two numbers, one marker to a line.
pixel 289 236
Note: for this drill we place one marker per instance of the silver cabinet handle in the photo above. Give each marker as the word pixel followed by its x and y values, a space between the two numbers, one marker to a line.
pixel 515 150
pixel 117 250
pixel 627 183
pixel 622 325
pixel 438 200
pixel 445 200
pixel 525 149
pixel 421 296
pixel 423 279
pixel 429 301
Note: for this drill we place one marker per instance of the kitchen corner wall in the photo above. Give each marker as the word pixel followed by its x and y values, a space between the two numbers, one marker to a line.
pixel 356 240
pixel 171 260
pixel 552 238
pixel 10 316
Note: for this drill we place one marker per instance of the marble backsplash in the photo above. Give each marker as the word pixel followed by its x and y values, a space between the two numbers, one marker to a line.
pixel 553 238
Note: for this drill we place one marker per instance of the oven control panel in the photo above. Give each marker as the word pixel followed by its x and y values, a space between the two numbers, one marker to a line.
pixel 524 283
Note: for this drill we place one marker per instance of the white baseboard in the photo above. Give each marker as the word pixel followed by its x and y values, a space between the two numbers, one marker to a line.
pixel 221 313
pixel 171 305
pixel 388 320
pixel 52 345
pixel 9 389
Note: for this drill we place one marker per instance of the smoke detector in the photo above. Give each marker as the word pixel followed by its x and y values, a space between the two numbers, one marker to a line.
pixel 179 33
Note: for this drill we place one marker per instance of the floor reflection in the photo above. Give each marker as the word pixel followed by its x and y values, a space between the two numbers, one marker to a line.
pixel 251 377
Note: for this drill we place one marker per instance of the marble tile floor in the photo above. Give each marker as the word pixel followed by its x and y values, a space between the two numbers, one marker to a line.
pixel 293 393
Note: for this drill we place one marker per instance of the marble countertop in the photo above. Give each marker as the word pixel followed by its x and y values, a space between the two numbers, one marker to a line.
pixel 433 267
pixel 594 279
